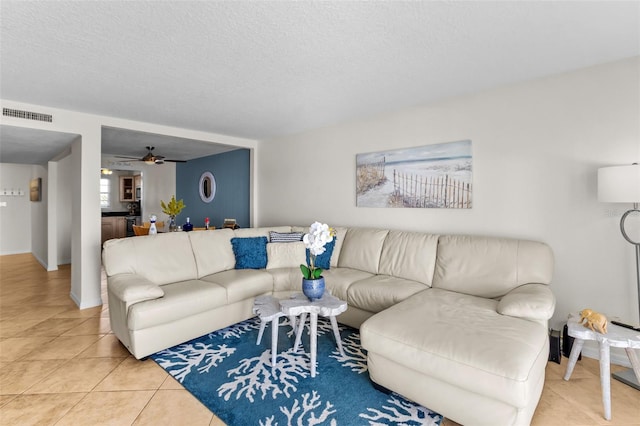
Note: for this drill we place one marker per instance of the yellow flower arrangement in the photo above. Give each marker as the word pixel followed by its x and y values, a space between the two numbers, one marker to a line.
pixel 173 207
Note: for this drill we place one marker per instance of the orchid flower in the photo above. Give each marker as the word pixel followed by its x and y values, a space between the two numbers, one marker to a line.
pixel 319 235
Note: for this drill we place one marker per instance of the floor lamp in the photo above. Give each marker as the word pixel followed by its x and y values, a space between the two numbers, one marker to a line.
pixel 621 184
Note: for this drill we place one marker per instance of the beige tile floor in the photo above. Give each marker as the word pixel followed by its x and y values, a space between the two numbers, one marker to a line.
pixel 62 366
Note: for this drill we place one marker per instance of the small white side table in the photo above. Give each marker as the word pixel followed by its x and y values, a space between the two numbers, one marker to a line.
pixel 268 310
pixel 617 337
pixel 328 306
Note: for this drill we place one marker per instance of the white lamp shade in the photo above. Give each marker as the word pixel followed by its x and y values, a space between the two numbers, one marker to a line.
pixel 619 184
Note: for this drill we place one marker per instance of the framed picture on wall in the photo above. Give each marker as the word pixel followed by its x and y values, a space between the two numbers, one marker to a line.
pixel 428 176
pixel 35 189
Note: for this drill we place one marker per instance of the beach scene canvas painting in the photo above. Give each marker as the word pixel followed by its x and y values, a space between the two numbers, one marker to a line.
pixel 429 176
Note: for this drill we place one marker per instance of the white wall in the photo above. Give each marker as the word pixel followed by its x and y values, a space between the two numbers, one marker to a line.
pixel 63 210
pixel 536 149
pixel 15 218
pixel 25 226
pixel 38 220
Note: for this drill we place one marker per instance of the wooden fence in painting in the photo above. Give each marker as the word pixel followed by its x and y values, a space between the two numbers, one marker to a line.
pixel 437 191
pixel 369 176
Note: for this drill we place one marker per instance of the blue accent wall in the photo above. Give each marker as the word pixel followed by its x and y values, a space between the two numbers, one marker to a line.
pixel 231 171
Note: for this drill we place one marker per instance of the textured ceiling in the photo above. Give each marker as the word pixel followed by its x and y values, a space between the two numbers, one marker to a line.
pixel 265 69
pixel 32 146
pixel 125 142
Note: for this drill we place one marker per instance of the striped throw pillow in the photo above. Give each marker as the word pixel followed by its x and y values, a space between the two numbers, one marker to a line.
pixel 285 237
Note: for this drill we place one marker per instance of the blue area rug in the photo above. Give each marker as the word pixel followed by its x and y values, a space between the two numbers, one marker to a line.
pixel 233 377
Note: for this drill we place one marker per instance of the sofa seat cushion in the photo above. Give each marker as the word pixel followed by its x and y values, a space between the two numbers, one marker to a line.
pixel 338 280
pixel 462 340
pixel 180 300
pixel 242 284
pixel 377 293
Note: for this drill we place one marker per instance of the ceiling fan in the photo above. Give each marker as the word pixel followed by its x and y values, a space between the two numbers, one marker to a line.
pixel 151 158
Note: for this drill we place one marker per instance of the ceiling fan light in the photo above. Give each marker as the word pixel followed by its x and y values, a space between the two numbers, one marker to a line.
pixel 149 161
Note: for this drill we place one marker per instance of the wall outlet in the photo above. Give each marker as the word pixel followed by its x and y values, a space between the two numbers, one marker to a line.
pixel 3 204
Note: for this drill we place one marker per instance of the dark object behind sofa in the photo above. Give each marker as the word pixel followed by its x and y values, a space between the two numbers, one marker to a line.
pixel 567 343
pixel 554 346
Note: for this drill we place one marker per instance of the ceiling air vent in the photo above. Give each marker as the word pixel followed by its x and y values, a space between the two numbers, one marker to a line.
pixel 27 115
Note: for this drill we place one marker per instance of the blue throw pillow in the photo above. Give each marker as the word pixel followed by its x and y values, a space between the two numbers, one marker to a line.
pixel 250 253
pixel 324 260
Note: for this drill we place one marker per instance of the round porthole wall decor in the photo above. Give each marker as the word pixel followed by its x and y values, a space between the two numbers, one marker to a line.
pixel 207 187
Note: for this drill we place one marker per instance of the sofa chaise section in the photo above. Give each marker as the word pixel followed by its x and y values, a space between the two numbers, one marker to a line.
pixel 452 348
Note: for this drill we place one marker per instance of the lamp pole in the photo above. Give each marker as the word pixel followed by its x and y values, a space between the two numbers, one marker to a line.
pixel 621 184
pixel 628 376
pixel 635 243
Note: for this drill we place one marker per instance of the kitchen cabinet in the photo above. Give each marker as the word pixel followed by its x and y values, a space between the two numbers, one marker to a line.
pixel 127 192
pixel 137 182
pixel 113 227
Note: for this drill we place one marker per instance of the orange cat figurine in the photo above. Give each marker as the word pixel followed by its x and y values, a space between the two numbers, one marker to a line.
pixel 593 320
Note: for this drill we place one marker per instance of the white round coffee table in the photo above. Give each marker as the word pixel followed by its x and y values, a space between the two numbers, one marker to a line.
pixel 328 306
pixel 617 337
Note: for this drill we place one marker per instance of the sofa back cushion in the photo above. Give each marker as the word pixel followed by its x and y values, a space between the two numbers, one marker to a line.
pixel 162 258
pixel 341 233
pixel 490 267
pixel 409 255
pixel 260 232
pixel 361 249
pixel 212 251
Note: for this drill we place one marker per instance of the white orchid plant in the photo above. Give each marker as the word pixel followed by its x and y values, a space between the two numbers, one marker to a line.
pixel 319 235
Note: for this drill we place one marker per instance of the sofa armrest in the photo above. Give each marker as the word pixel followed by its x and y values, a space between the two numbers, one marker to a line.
pixel 133 288
pixel 529 301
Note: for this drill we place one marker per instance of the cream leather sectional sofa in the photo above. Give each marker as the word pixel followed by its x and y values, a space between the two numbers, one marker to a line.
pixel 455 323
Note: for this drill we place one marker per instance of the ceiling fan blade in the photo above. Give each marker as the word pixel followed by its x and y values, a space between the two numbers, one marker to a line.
pixel 149 157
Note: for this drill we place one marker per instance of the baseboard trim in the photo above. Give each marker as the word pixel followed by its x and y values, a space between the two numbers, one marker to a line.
pixel 9 253
pixel 85 305
pixel 74 298
pixel 44 264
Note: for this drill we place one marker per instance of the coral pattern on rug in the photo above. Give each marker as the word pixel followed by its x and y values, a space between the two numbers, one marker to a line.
pixel 234 378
